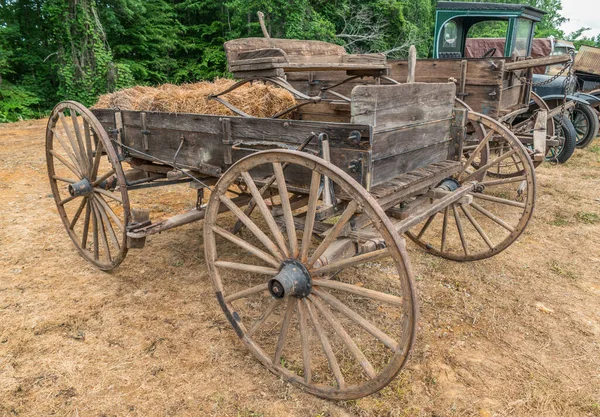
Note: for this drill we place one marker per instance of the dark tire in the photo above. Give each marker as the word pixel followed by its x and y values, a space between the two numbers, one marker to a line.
pixel 585 121
pixel 566 133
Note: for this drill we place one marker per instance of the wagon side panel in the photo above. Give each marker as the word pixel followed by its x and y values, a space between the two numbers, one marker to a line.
pixel 411 125
pixel 483 79
pixel 210 144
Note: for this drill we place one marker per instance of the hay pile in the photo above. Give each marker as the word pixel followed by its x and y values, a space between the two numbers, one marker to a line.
pixel 257 99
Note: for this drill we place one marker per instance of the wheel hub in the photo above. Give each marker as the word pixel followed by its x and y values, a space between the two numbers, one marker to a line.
pixel 293 279
pixel 81 188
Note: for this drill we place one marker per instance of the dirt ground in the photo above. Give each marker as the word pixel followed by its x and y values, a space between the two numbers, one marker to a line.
pixel 516 335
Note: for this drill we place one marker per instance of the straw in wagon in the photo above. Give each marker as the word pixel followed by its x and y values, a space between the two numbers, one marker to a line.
pixel 256 99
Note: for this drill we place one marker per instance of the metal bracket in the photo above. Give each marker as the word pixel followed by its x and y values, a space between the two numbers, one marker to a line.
pixel 145 132
pixel 227 141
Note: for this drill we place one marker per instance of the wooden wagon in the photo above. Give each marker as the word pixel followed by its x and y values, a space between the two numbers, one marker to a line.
pixel 307 258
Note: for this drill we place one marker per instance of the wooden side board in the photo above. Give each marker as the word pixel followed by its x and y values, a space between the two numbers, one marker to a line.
pixel 483 80
pixel 208 142
pixel 411 125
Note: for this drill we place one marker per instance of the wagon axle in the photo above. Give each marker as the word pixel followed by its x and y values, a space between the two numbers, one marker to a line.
pixel 293 279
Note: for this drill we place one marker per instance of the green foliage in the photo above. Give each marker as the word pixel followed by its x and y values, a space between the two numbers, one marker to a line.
pixel 16 103
pixel 52 50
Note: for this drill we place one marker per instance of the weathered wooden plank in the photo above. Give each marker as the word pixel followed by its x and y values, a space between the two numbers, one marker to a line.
pixel 537 62
pixel 261 53
pixel 289 131
pixel 314 64
pixel 388 107
pixel 398 141
pixel 388 168
pixel 289 46
pixel 325 111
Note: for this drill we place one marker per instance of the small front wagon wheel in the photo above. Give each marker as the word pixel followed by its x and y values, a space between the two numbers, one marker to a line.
pixel 88 184
pixel 340 327
pixel 496 212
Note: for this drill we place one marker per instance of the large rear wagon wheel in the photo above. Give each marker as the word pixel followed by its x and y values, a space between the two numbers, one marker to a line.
pixel 495 214
pixel 335 326
pixel 88 184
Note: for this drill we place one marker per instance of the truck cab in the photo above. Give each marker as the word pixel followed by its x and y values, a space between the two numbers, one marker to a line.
pixel 456 22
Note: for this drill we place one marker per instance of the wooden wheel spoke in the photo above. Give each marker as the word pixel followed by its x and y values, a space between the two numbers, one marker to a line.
pixel 95 239
pixel 477 151
pixel 266 213
pixel 461 232
pixel 103 237
pixel 444 230
pixel 334 232
pixel 492 217
pixel 356 290
pixel 285 326
pixel 260 235
pixel 108 225
pixel 247 268
pixel 288 216
pixel 477 227
pixel 498 200
pixel 303 327
pixel 67 199
pixel 77 151
pixel 346 338
pixel 311 211
pixel 247 292
pixel 426 226
pixel 70 153
pixel 97 158
pixel 105 176
pixel 503 181
pixel 358 319
pixel 79 137
pixel 63 179
pixel 86 226
pixel 263 317
pixel 110 212
pixel 70 166
pixel 484 168
pixel 353 261
pixel 88 142
pixel 333 363
pixel 247 246
pixel 78 213
pixel 109 194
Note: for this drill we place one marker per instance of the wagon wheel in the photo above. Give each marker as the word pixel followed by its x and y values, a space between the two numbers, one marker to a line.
pixel 494 215
pixel 323 322
pixel 88 184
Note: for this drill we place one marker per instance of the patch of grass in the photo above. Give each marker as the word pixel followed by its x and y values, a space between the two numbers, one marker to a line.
pixel 587 217
pixel 595 149
pixel 559 269
pixel 559 220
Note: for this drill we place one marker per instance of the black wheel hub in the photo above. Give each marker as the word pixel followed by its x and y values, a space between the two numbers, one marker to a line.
pixel 81 188
pixel 293 279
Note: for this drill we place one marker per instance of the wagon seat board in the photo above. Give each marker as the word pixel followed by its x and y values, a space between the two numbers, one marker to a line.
pixel 251 57
pixel 412 125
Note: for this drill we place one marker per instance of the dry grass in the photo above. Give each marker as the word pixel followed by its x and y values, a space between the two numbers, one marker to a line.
pixel 256 99
pixel 150 339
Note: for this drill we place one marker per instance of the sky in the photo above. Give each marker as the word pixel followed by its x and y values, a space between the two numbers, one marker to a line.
pixel 582 13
